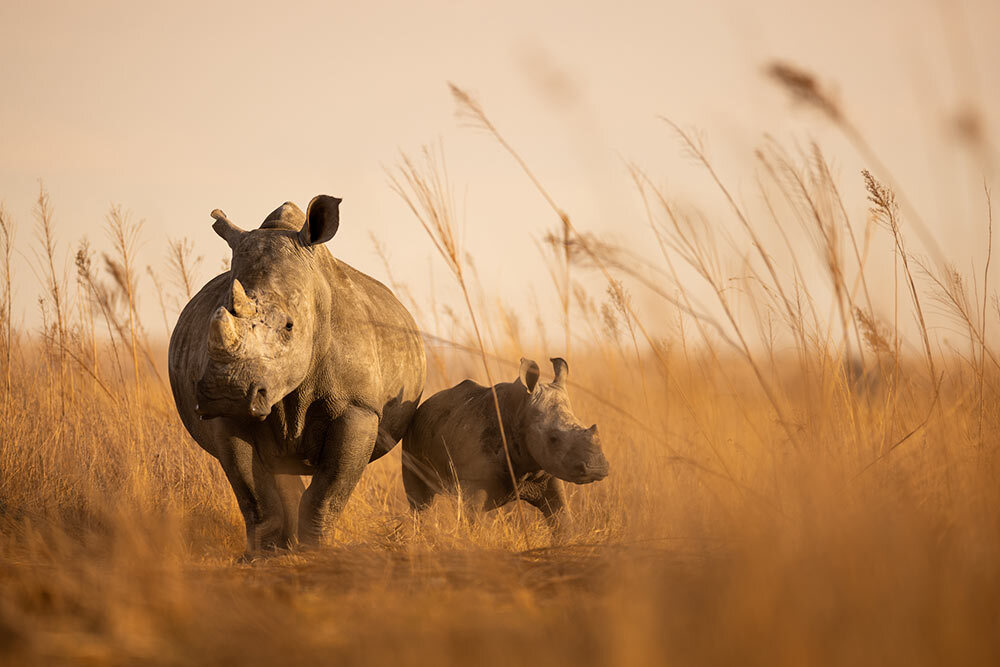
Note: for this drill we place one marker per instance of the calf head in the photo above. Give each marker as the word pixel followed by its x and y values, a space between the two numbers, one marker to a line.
pixel 262 335
pixel 553 435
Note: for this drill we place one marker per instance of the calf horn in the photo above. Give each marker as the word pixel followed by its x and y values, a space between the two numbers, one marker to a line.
pixel 242 305
pixel 222 334
pixel 561 371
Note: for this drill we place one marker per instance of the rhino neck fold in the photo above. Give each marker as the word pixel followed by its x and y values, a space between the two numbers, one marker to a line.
pixel 513 399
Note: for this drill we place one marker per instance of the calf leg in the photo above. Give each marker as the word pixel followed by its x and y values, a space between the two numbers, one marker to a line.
pixel 552 502
pixel 290 490
pixel 419 492
pixel 346 452
pixel 257 495
pixel 475 500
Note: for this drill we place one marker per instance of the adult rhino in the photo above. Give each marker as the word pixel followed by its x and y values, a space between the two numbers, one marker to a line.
pixel 294 363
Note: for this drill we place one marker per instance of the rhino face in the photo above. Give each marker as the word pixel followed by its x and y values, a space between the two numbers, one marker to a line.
pixel 262 336
pixel 556 439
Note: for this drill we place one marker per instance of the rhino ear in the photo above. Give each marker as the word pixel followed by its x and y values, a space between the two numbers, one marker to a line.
pixel 561 370
pixel 529 374
pixel 226 229
pixel 322 220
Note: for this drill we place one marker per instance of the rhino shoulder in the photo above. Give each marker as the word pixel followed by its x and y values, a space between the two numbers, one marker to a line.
pixel 342 273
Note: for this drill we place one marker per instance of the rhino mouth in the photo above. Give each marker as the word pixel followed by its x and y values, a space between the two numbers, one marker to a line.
pixel 255 403
pixel 589 472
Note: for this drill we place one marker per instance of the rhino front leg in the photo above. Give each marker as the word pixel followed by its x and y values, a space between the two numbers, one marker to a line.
pixel 257 495
pixel 348 448
pixel 552 502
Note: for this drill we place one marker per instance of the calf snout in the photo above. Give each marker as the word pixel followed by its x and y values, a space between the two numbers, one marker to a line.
pixel 592 469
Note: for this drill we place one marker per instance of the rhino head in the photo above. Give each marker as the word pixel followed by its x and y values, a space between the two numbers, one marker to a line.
pixel 553 435
pixel 262 336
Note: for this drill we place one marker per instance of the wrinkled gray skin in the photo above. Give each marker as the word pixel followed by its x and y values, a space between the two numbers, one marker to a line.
pixel 293 363
pixel 454 445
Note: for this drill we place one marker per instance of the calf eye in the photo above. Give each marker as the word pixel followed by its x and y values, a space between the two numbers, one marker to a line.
pixel 288 325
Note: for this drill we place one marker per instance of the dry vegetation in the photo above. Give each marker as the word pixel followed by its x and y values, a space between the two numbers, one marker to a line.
pixel 793 481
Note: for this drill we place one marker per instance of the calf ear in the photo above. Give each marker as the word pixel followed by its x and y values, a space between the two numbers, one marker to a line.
pixel 529 374
pixel 226 229
pixel 322 220
pixel 561 370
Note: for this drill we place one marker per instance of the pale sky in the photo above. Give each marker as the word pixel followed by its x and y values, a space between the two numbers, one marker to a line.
pixel 176 109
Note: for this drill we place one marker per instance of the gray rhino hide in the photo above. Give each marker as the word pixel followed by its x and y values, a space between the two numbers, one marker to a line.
pixel 298 365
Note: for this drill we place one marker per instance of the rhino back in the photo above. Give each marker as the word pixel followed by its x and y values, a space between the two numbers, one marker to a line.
pixel 457 427
pixel 376 353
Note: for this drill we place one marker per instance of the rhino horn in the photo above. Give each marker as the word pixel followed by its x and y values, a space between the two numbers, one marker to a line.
pixel 243 306
pixel 222 334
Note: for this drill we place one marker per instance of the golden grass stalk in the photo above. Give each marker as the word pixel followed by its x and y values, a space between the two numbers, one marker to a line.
pixel 806 88
pixel 812 190
pixel 99 293
pixel 6 298
pixel 83 264
pixel 622 302
pixel 124 234
pixel 982 321
pixel 427 193
pixel 700 257
pixel 161 298
pixel 603 256
pixel 885 209
pixel 183 264
pixel 470 109
pixel 54 281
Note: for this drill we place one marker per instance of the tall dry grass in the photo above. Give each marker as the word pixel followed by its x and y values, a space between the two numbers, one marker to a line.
pixel 796 478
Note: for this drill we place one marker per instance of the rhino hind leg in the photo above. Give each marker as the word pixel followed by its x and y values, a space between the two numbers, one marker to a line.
pixel 420 492
pixel 475 501
pixel 257 495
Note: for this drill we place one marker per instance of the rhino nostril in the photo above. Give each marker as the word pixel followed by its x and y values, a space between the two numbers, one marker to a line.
pixel 259 406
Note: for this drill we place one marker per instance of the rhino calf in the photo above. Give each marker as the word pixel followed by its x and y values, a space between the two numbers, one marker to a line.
pixel 453 445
